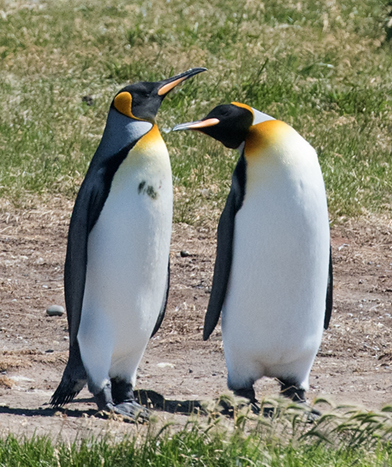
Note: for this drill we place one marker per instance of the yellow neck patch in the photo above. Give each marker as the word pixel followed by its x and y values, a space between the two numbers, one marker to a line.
pixel 123 103
pixel 150 139
pixel 264 135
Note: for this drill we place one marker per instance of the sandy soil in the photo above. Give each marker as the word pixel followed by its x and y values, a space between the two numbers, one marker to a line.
pixel 353 364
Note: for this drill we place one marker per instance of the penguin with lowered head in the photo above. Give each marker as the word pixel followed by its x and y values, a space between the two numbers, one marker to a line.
pixel 273 272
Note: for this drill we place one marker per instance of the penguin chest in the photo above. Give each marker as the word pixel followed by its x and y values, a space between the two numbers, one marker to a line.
pixel 128 249
pixel 275 304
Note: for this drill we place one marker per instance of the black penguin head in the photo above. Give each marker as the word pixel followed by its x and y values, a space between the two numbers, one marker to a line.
pixel 227 123
pixel 141 101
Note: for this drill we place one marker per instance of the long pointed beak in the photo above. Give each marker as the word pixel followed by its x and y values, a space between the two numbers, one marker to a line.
pixel 170 83
pixel 196 125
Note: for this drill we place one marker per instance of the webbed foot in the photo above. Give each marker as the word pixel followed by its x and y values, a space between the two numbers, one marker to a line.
pixel 129 411
pixel 249 393
pixel 133 410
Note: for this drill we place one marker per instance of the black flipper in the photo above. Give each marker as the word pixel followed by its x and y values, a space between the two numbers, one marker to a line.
pixel 224 253
pixel 88 206
pixel 328 300
pixel 164 303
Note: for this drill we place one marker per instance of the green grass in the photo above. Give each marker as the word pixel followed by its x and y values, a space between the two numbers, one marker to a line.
pixel 342 437
pixel 324 67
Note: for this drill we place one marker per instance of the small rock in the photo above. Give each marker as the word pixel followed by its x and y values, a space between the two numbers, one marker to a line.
pixel 55 310
pixel 166 365
pixel 184 254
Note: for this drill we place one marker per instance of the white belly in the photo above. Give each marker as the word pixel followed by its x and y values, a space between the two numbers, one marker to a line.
pixel 272 318
pixel 128 253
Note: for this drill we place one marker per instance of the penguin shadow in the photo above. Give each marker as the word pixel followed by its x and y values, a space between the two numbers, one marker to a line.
pixel 225 406
pixel 154 400
pixel 47 411
pixel 147 398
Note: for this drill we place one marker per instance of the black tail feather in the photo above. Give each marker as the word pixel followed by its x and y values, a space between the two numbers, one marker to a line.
pixel 66 392
pixel 73 381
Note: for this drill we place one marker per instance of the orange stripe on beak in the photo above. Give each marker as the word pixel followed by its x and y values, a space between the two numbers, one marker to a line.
pixel 201 124
pixel 169 86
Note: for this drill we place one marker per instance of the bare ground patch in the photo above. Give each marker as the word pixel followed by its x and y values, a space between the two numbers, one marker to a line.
pixel 353 364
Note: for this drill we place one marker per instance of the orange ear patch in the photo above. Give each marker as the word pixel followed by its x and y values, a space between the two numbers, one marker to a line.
pixel 265 134
pixel 123 103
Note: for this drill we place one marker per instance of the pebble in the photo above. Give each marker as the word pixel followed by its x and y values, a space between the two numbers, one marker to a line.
pixel 166 365
pixel 55 310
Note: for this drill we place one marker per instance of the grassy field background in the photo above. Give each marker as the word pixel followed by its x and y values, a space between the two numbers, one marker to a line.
pixel 322 66
pixel 325 67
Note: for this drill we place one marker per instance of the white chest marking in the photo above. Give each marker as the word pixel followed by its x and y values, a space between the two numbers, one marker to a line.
pixel 273 313
pixel 128 251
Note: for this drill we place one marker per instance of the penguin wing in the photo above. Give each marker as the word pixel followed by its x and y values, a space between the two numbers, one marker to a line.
pixel 88 206
pixel 328 300
pixel 164 303
pixel 224 253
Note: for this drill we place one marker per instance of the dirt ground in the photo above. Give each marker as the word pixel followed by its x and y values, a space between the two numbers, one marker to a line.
pixel 352 366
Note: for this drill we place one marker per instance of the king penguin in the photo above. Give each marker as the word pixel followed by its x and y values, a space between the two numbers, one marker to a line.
pixel 116 275
pixel 273 271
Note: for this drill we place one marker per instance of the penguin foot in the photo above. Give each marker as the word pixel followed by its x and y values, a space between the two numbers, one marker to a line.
pixel 247 393
pixel 296 394
pixel 121 390
pixel 132 410
pixel 129 411
pixel 104 399
pixel 269 412
pixel 227 407
pixel 124 403
pixel 292 391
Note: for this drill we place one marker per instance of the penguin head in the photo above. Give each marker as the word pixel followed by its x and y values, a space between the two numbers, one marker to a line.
pixel 228 123
pixel 141 101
